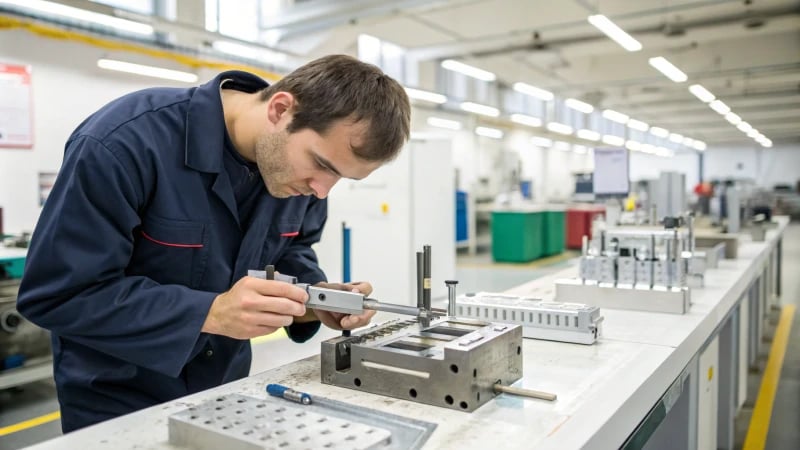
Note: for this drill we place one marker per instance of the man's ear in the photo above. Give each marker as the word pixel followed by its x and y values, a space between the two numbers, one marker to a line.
pixel 279 107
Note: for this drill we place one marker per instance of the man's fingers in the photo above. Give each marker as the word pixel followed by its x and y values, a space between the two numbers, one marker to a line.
pixel 361 287
pixel 277 305
pixel 267 319
pixel 277 289
pixel 352 321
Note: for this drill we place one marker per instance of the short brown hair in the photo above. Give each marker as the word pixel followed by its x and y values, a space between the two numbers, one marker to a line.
pixel 339 87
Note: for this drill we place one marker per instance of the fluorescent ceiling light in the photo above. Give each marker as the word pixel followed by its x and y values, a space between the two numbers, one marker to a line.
pixel 559 128
pixel 665 152
pixel 618 117
pixel 541 142
pixel 720 107
pixel 744 127
pixel 766 142
pixel 733 118
pixel 753 134
pixel 589 135
pixel 613 140
pixel 561 145
pixel 477 108
pixel 580 149
pixel 262 55
pixel 638 125
pixel 533 91
pixel 419 94
pixel 468 70
pixel 444 123
pixel 579 105
pixel 148 71
pixel 58 9
pixel 701 93
pixel 687 141
pixel 616 33
pixel 668 69
pixel 648 148
pixel 633 145
pixel 524 119
pixel 659 132
pixel 676 138
pixel 493 133
pixel 699 145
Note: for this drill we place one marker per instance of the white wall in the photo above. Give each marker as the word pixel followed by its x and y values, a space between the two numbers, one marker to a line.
pixel 645 166
pixel 766 166
pixel 67 86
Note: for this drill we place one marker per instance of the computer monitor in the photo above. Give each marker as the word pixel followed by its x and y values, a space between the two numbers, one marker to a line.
pixel 611 172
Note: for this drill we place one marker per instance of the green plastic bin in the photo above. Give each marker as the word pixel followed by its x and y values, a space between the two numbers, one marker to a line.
pixel 553 235
pixel 517 236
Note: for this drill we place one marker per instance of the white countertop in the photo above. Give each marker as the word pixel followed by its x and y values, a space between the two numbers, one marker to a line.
pixel 604 390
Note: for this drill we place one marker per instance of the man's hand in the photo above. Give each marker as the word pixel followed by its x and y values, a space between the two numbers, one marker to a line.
pixel 341 321
pixel 255 307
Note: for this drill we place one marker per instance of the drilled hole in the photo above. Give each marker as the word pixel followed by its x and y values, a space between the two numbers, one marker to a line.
pixel 463 405
pixel 412 393
pixel 357 382
pixel 474 373
pixel 453 368
pixel 519 350
pixel 448 399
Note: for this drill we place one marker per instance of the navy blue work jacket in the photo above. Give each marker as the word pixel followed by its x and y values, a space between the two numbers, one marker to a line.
pixel 139 235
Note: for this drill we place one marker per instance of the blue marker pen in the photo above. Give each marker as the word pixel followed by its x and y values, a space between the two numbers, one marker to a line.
pixel 279 390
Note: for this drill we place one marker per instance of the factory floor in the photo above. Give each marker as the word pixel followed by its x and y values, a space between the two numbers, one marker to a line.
pixel 28 414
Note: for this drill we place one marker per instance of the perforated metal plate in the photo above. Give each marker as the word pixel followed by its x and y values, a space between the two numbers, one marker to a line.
pixel 235 422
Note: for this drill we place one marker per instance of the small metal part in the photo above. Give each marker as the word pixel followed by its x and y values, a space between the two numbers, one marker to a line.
pixel 279 390
pixel 420 277
pixel 426 277
pixel 270 270
pixel 451 297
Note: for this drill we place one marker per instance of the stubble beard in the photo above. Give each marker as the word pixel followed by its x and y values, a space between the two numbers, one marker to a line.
pixel 273 164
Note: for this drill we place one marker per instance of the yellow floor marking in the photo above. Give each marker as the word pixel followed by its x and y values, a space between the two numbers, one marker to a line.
pixel 280 334
pixel 762 413
pixel 36 421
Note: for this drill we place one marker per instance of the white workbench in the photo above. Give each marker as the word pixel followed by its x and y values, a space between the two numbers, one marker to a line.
pixel 604 390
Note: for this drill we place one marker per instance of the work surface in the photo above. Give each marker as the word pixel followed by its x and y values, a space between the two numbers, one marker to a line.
pixel 604 390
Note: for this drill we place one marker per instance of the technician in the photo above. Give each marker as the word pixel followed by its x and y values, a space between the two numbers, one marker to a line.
pixel 166 197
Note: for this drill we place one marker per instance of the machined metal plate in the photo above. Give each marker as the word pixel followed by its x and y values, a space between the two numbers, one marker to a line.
pixel 453 362
pixel 555 321
pixel 238 422
pixel 674 300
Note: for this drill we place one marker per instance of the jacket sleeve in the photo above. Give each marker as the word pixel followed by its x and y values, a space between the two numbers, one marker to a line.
pixel 75 283
pixel 300 260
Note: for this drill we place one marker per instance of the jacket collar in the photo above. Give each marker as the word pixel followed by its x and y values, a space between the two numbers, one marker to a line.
pixel 205 122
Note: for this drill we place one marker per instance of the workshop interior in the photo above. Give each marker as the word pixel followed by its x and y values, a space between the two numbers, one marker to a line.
pixel 589 239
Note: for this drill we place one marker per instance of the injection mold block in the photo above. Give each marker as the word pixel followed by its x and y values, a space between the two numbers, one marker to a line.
pixel 452 362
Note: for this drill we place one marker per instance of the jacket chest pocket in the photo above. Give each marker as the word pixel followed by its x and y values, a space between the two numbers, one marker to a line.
pixel 170 251
pixel 279 237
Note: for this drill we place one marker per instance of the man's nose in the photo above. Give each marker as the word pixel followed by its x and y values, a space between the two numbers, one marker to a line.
pixel 322 185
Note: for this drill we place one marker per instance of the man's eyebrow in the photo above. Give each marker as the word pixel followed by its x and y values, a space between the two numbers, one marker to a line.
pixel 327 164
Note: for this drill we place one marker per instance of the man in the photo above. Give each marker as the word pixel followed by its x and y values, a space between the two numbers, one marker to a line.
pixel 138 262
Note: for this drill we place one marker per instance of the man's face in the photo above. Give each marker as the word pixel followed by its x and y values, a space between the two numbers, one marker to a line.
pixel 307 163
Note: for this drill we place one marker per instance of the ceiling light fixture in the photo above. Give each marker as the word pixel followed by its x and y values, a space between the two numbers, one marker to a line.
pixel 733 118
pixel 419 94
pixel 668 69
pixel 493 133
pixel 613 140
pixel 720 107
pixel 659 132
pixel 579 105
pixel 589 135
pixel 701 93
pixel 541 142
pixel 533 91
pixel 468 70
pixel 614 32
pixel 444 123
pixel 524 119
pixel 638 125
pixel 618 117
pixel 148 71
pixel 559 128
pixel 477 108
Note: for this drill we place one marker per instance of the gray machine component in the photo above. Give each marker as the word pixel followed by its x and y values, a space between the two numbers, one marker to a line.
pixel 238 422
pixel 452 362
pixel 554 321
pixel 18 336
